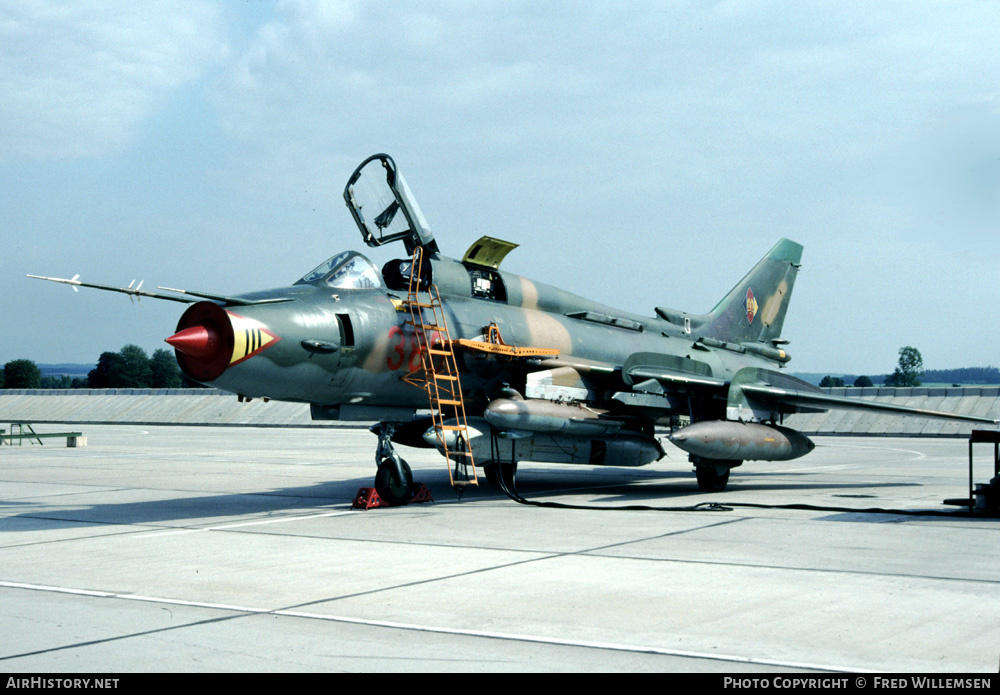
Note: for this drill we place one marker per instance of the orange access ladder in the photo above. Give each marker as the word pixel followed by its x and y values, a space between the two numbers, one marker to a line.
pixel 438 376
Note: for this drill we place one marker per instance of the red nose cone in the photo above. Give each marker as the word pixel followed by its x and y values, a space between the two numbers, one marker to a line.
pixel 196 341
pixel 203 342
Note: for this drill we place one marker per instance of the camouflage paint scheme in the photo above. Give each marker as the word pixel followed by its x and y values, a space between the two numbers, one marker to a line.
pixel 534 314
pixel 338 339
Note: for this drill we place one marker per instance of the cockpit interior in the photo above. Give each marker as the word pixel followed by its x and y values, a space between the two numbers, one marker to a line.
pixel 350 270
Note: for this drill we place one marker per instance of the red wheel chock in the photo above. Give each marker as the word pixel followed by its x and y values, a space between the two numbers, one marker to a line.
pixel 367 498
pixel 422 494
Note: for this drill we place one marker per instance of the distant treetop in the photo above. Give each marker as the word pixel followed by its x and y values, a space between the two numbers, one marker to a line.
pixel 909 370
pixel 21 374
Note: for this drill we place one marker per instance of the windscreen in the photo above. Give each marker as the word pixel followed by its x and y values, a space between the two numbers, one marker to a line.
pixel 348 270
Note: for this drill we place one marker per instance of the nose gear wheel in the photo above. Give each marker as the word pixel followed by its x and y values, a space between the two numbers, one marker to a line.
pixel 394 479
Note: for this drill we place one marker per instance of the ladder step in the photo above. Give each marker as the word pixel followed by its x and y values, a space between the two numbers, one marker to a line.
pixel 435 379
pixel 430 326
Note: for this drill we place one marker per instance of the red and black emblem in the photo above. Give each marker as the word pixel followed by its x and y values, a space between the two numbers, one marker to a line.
pixel 750 304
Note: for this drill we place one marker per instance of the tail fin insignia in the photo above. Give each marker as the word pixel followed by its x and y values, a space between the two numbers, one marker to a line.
pixel 750 304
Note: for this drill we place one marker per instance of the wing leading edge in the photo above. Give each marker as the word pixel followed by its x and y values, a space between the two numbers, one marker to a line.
pixel 756 394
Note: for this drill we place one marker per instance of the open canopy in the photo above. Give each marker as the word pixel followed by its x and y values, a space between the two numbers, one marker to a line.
pixel 384 208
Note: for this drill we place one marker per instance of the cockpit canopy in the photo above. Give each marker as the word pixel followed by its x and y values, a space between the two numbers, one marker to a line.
pixel 348 270
pixel 384 208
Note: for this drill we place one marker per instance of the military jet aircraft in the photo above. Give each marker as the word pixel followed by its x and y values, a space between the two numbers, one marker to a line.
pixel 489 366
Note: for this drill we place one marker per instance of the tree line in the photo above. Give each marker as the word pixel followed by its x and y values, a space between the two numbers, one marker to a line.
pixel 910 372
pixel 130 367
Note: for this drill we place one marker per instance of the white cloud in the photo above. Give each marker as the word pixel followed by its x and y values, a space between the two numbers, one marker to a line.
pixel 79 78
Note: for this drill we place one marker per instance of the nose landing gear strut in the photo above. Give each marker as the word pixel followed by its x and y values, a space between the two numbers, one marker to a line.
pixel 393 480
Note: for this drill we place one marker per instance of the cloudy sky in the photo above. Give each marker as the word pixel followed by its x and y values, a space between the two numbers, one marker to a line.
pixel 643 154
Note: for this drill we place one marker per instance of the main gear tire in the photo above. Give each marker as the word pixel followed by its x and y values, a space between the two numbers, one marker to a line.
pixel 494 470
pixel 712 477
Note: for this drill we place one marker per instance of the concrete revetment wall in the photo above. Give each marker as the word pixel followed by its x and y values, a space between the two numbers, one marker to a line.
pixel 213 407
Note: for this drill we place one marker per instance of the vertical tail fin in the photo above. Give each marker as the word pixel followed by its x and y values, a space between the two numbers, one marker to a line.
pixel 754 310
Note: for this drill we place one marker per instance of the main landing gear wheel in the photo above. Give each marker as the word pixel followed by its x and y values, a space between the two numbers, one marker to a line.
pixel 712 477
pixel 388 484
pixel 494 471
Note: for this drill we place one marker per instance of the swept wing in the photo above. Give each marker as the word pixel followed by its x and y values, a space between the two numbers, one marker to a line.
pixel 755 394
pixel 760 396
